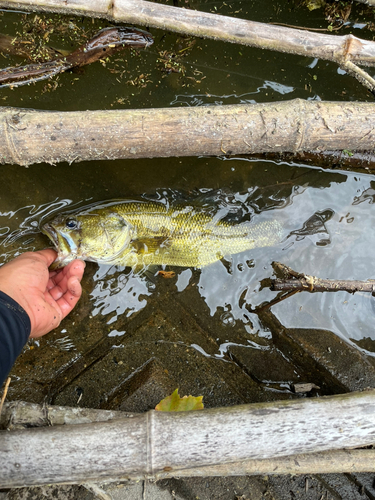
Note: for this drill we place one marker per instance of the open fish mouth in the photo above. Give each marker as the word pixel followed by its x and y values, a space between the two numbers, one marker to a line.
pixel 61 244
pixel 50 231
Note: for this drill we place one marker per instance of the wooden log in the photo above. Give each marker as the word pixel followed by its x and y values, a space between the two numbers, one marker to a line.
pixel 20 415
pixel 291 126
pixel 158 443
pixel 201 24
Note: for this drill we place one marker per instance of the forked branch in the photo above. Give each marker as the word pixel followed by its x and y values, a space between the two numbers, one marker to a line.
pixel 290 280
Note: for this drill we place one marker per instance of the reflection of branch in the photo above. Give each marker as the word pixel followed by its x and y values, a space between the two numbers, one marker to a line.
pixel 289 280
pixel 279 298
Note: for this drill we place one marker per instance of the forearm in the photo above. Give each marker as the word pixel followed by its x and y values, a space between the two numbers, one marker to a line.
pixel 14 331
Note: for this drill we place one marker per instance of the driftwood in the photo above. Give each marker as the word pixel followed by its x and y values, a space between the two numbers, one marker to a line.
pixel 347 51
pixel 107 41
pixel 157 444
pixel 292 280
pixel 293 126
pixel 20 415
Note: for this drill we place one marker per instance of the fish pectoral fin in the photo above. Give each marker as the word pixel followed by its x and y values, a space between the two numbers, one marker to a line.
pixel 149 245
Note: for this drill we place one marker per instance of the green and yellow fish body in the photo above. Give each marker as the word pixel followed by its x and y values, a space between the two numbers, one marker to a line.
pixel 144 233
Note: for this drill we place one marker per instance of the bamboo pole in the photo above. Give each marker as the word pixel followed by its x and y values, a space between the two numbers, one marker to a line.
pixel 20 415
pixel 156 444
pixel 347 51
pixel 291 126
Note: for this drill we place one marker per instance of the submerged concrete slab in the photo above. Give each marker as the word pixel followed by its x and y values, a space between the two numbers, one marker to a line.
pixel 175 342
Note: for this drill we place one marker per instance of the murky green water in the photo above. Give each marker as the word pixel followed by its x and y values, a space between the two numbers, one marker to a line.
pixel 327 216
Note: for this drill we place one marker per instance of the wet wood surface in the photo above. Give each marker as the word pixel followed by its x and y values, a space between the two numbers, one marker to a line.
pixel 293 126
pixel 194 23
pixel 158 442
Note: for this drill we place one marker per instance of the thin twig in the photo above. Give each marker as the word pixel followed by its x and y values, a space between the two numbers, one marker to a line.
pixel 361 75
pixel 336 28
pixel 4 394
pixel 290 280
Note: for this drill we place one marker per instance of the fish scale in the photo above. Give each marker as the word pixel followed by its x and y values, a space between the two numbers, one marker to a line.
pixel 139 234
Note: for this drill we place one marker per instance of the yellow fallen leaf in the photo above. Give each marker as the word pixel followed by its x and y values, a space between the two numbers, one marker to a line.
pixel 175 403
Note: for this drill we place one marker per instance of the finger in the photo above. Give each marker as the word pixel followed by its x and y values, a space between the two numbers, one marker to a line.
pixel 50 284
pixel 74 268
pixel 77 268
pixel 48 255
pixel 56 292
pixel 58 284
pixel 60 277
pixel 70 298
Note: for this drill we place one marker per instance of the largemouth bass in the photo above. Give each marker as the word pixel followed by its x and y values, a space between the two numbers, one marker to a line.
pixel 143 233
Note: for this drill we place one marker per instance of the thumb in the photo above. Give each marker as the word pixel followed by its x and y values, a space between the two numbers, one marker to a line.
pixel 48 255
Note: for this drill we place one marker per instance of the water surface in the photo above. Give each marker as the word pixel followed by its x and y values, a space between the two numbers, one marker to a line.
pixel 326 215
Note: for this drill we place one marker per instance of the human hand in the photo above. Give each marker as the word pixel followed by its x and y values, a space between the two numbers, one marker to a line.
pixel 47 296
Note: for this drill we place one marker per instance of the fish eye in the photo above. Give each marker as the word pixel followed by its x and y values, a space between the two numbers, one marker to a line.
pixel 71 223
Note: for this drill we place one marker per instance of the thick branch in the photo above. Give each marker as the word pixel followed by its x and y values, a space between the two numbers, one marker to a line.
pixel 291 126
pixel 190 22
pixel 20 415
pixel 217 441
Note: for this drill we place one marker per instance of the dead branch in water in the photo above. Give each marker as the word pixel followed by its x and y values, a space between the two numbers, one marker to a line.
pixel 32 136
pixel 294 281
pixel 347 51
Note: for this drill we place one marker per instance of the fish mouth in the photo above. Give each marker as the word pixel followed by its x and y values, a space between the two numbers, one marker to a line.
pixel 61 244
pixel 51 232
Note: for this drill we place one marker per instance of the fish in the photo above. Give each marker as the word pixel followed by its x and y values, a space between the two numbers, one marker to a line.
pixel 145 233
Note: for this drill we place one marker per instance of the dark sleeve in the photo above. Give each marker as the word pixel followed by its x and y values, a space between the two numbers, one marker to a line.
pixel 15 329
